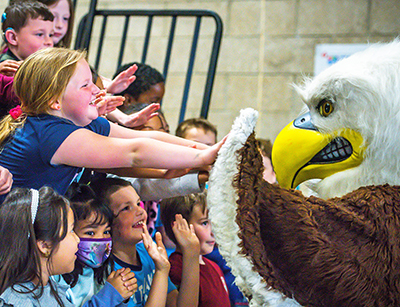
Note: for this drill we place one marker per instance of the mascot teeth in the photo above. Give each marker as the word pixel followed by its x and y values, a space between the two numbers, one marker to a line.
pixel 337 150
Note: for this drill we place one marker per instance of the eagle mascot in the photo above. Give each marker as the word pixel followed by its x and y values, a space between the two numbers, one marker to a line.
pixel 340 247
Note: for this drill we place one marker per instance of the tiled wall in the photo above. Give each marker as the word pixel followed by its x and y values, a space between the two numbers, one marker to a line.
pixel 267 45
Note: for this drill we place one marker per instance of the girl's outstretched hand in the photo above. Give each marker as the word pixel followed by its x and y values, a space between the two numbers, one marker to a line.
pixel 140 118
pixel 185 236
pixel 156 250
pixel 210 154
pixel 6 180
pixel 106 104
pixel 124 281
pixel 122 81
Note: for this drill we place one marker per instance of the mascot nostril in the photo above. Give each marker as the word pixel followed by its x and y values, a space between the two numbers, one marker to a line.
pixel 341 248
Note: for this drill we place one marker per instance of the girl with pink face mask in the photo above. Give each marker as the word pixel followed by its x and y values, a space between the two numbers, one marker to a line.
pixel 92 282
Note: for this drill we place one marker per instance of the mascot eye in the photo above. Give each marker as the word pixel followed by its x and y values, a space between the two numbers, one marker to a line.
pixel 325 107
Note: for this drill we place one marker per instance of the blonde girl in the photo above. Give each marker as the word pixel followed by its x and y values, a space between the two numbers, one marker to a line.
pixel 59 131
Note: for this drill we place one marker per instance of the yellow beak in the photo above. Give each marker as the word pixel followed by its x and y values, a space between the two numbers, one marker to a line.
pixel 301 152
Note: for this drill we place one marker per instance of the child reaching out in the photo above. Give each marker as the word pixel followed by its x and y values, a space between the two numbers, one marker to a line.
pixel 37 241
pixel 148 260
pixel 60 131
pixel 87 280
pixel 193 208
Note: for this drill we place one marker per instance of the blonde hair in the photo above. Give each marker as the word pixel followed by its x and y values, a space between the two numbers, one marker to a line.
pixel 41 79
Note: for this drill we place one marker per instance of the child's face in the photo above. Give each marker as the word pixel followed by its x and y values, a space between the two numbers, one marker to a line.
pixel 77 102
pixel 154 124
pixel 201 136
pixel 154 94
pixel 202 228
pixel 61 12
pixel 63 258
pixel 269 174
pixel 130 217
pixel 37 34
pixel 89 229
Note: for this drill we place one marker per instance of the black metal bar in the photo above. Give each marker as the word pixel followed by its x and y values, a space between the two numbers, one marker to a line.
pixel 212 66
pixel 169 46
pixel 99 47
pixel 88 26
pixel 123 41
pixel 147 39
pixel 190 69
pixel 85 30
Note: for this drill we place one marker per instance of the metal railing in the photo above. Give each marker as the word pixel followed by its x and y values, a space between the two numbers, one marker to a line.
pixel 84 36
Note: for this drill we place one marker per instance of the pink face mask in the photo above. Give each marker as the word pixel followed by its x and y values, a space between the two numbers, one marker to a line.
pixel 93 252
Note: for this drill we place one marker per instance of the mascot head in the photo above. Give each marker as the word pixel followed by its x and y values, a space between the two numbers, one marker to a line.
pixel 349 136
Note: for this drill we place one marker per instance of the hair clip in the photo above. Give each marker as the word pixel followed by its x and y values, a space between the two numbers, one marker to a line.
pixel 15 112
pixel 3 17
pixel 34 206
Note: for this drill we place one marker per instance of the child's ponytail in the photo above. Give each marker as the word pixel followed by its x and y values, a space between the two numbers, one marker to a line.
pixel 8 125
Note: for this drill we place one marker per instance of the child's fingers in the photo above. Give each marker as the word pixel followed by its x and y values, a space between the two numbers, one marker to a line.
pixel 125 272
pixel 159 240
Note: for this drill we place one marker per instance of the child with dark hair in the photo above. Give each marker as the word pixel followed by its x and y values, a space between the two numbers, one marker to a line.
pixel 37 241
pixel 193 209
pixel 92 282
pixel 149 86
pixel 27 27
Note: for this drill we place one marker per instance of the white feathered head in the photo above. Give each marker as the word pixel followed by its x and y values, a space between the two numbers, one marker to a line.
pixel 350 136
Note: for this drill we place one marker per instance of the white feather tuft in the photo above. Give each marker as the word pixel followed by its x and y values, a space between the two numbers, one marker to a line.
pixel 221 201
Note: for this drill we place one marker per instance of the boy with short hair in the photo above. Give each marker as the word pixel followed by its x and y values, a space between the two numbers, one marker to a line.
pixel 148 260
pixel 27 27
pixel 197 129
pixel 193 208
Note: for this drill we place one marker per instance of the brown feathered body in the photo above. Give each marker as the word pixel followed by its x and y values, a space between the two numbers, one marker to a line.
pixel 336 252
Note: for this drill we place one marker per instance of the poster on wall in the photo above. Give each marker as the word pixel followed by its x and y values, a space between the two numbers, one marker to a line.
pixel 328 54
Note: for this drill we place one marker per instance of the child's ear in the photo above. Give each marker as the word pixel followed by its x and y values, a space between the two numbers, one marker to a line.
pixel 44 248
pixel 55 105
pixel 11 36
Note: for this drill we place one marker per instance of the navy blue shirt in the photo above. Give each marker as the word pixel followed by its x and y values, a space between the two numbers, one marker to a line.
pixel 27 154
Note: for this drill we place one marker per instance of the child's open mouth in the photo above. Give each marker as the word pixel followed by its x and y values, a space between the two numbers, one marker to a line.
pixel 139 224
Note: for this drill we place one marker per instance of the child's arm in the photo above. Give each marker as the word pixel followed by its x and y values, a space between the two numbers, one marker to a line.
pixel 84 148
pixel 126 133
pixel 159 286
pixel 134 120
pixel 189 245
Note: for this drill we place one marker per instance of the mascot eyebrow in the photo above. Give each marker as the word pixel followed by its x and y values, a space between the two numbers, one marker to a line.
pixel 340 247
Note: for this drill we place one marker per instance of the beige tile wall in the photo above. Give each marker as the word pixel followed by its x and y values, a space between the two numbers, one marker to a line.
pixel 267 45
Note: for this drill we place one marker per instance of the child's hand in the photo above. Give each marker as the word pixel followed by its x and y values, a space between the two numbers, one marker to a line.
pixel 140 118
pixel 210 154
pixel 156 251
pixel 122 81
pixel 124 281
pixel 185 236
pixel 9 67
pixel 106 104
pixel 6 180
